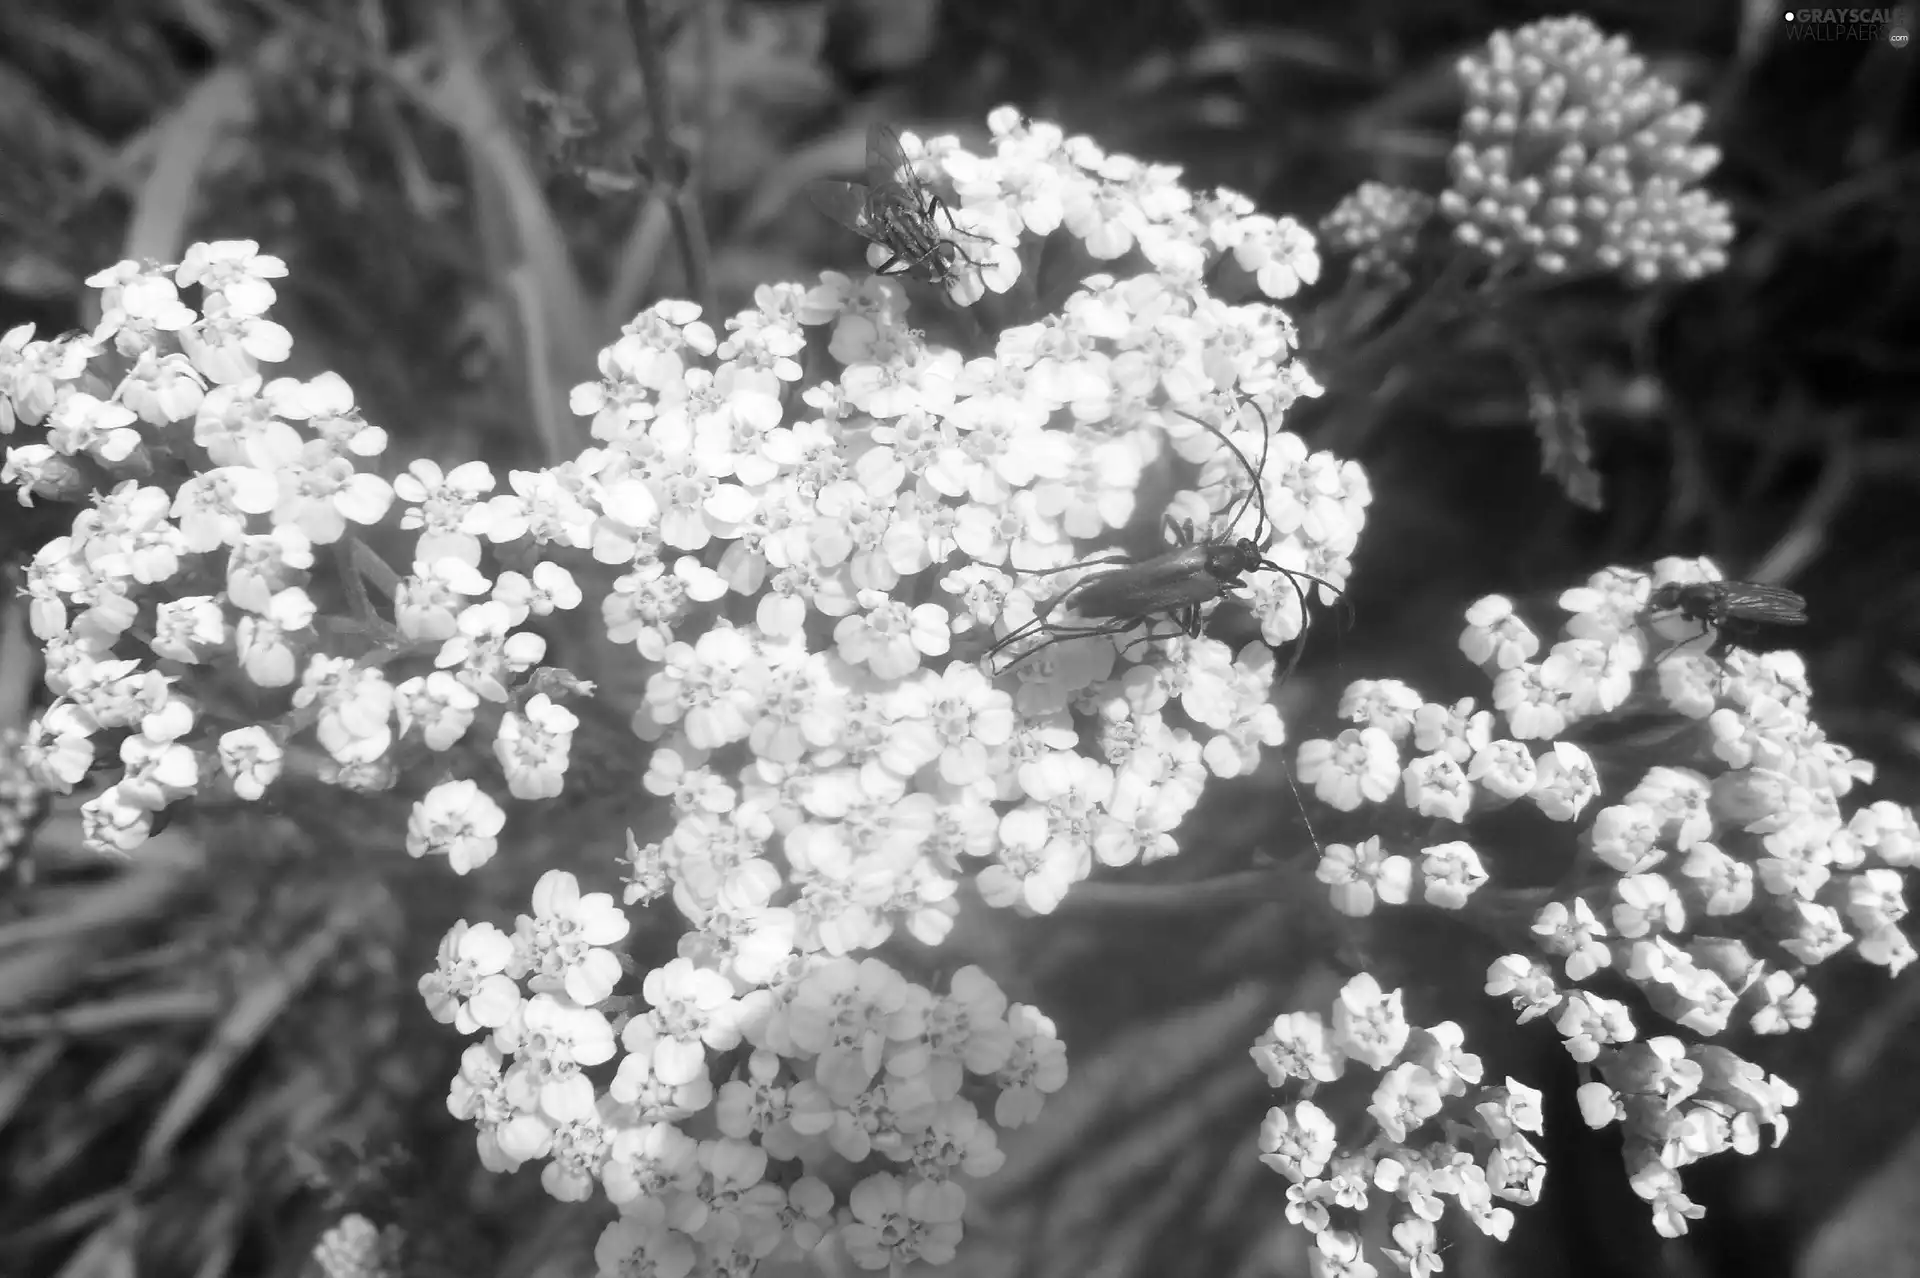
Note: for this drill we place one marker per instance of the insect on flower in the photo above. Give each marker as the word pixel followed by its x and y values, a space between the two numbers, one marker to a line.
pixel 895 210
pixel 1714 604
pixel 1175 584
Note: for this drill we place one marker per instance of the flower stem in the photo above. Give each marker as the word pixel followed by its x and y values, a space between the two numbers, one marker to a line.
pixel 668 163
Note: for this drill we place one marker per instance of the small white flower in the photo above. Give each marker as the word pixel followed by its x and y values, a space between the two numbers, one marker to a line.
pixel 456 820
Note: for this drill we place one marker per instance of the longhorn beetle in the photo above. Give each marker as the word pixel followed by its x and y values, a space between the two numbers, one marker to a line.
pixel 896 211
pixel 1176 583
pixel 1714 604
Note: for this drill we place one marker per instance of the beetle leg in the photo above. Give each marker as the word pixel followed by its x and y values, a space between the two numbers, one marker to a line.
pixel 1119 556
pixel 1149 636
pixel 1054 634
pixel 1025 630
pixel 1188 621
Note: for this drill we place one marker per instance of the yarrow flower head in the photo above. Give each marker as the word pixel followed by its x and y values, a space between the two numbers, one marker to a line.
pixel 1707 865
pixel 1573 158
pixel 813 521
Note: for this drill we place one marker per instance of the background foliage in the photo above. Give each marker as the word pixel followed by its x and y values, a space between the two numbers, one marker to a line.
pixel 209 1053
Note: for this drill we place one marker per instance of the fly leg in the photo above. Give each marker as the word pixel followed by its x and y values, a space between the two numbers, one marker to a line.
pixel 897 263
pixel 936 205
pixel 1706 629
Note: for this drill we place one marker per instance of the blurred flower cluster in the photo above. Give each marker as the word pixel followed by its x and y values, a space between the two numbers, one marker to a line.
pixel 21 796
pixel 355 1247
pixel 1573 158
pixel 1379 225
pixel 795 559
pixel 1726 869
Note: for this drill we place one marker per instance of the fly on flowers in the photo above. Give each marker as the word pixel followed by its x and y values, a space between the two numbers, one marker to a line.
pixel 1713 604
pixel 1175 585
pixel 896 211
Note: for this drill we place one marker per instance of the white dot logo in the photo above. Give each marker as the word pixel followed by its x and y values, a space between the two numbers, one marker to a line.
pixel 1789 15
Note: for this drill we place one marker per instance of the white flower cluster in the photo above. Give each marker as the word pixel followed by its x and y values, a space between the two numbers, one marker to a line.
pixel 1475 1148
pixel 212 571
pixel 355 1247
pixel 1724 870
pixel 830 726
pixel 842 1072
pixel 800 515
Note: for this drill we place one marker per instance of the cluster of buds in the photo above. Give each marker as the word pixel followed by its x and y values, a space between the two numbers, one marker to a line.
pixel 802 518
pixel 1379 225
pixel 1723 872
pixel 1572 158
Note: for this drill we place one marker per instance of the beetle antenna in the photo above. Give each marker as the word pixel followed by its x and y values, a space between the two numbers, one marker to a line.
pixel 1260 475
pixel 1306 622
pixel 1255 490
pixel 1302 805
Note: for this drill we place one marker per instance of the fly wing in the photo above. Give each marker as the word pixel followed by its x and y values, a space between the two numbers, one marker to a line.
pixel 846 203
pixel 887 163
pixel 897 203
pixel 1752 601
